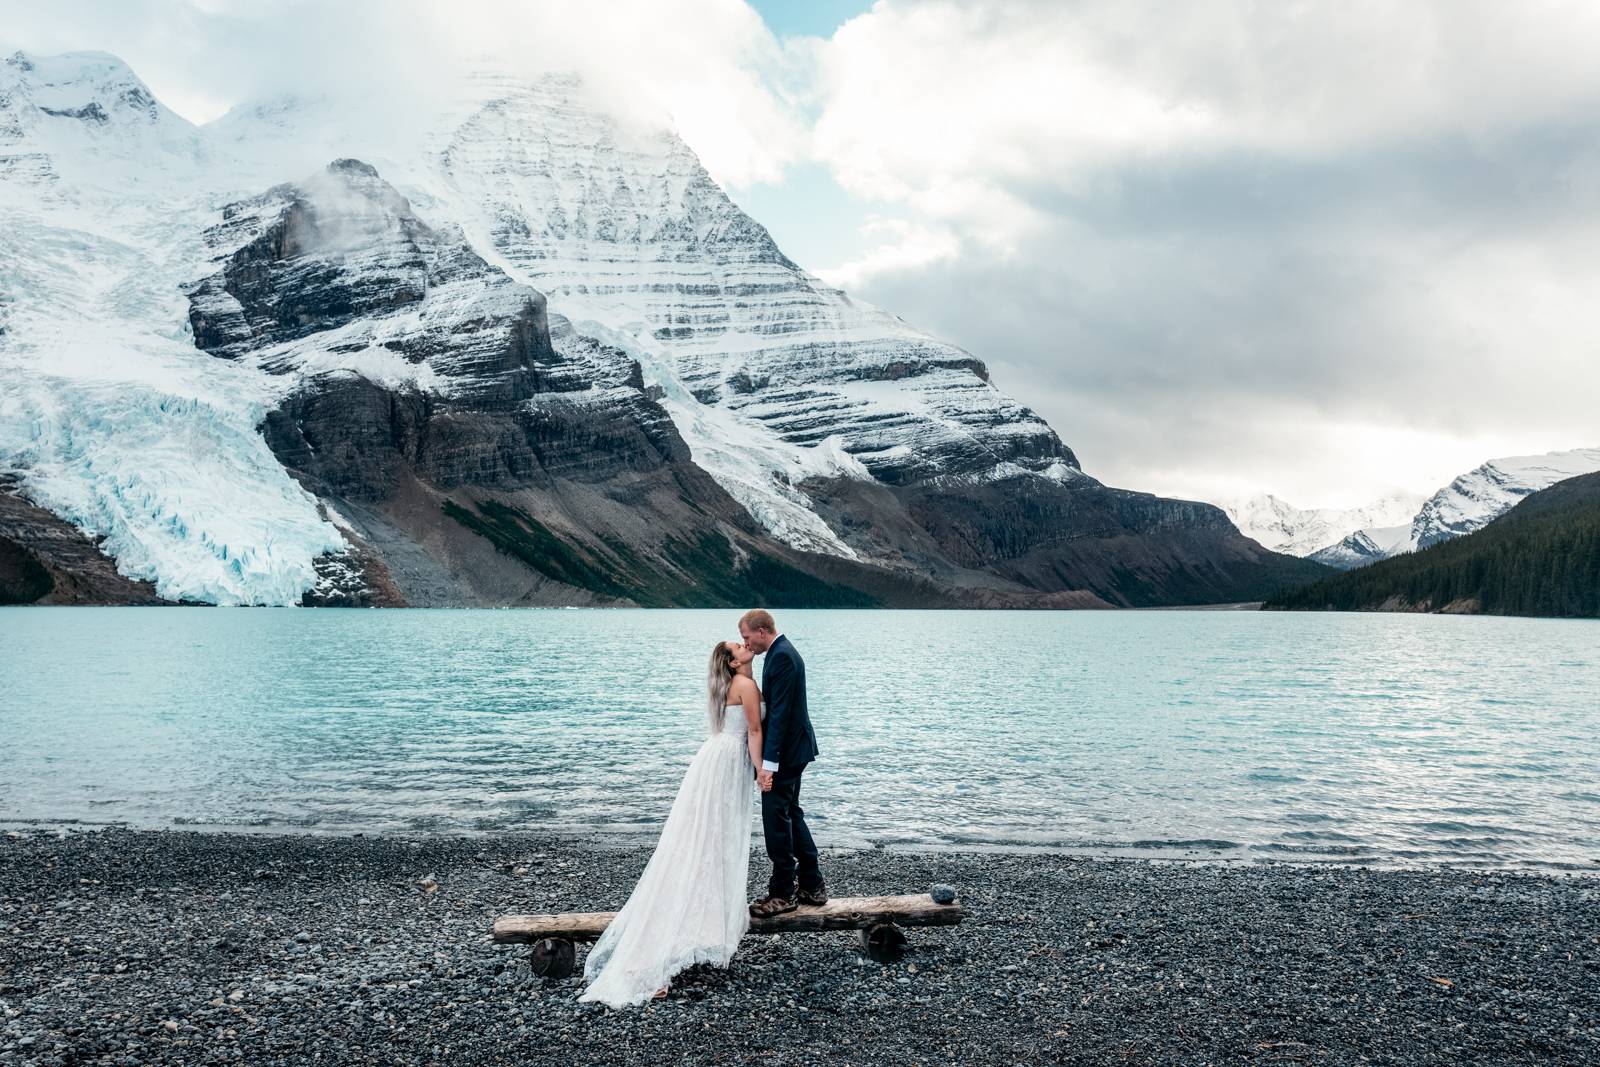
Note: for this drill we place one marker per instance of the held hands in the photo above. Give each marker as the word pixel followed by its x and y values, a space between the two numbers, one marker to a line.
pixel 764 778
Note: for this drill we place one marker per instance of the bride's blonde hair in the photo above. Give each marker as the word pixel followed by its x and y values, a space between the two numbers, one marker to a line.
pixel 719 676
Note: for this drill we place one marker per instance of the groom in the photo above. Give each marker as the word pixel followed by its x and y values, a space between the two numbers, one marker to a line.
pixel 787 747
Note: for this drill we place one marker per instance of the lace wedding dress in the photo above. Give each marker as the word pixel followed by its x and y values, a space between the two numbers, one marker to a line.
pixel 689 906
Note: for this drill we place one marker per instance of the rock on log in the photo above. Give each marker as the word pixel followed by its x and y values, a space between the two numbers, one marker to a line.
pixel 844 913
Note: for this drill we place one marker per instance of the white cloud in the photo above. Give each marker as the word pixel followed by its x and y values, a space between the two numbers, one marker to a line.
pixel 1326 250
pixel 895 245
pixel 919 100
pixel 943 103
pixel 711 65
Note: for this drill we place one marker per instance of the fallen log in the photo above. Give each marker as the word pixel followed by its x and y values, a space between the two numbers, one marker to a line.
pixel 844 913
pixel 878 919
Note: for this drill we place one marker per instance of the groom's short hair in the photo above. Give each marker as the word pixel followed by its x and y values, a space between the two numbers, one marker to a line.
pixel 757 619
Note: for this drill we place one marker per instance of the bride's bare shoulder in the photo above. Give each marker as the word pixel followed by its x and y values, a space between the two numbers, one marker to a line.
pixel 740 688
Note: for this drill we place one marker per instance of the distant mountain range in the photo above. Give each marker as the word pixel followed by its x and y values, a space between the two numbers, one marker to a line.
pixel 506 351
pixel 1282 527
pixel 1400 523
pixel 1540 557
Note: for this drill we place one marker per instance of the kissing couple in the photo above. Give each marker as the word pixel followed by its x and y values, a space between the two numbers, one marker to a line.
pixel 689 904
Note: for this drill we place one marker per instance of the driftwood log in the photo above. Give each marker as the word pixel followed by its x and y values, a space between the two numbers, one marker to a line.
pixel 878 919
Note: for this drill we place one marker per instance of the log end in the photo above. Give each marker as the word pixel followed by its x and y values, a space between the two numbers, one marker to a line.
pixel 883 942
pixel 553 957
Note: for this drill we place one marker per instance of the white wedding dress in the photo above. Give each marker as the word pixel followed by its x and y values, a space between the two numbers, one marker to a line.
pixel 689 906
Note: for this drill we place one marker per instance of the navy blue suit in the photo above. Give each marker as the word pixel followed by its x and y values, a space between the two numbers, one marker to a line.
pixel 791 744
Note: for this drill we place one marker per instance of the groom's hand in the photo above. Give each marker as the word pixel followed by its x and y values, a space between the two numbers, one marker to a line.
pixel 765 778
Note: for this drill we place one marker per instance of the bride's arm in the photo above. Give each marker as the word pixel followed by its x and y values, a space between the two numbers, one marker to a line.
pixel 752 718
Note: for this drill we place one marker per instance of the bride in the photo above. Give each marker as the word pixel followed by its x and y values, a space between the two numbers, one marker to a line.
pixel 689 906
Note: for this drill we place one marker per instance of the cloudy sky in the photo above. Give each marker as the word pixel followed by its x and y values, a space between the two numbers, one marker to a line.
pixel 1326 250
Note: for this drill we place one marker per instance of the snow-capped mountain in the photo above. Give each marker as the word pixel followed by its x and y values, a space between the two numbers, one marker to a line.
pixel 1487 492
pixel 773 377
pixel 635 235
pixel 1283 527
pixel 1366 546
pixel 1536 558
pixel 1401 523
pixel 509 350
pixel 87 118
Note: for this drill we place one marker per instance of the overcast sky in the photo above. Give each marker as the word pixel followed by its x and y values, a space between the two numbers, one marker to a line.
pixel 1322 250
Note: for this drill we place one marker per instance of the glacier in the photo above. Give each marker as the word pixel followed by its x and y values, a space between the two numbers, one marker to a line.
pixel 109 416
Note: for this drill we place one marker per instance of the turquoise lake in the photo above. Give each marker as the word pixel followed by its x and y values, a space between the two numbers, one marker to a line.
pixel 1386 739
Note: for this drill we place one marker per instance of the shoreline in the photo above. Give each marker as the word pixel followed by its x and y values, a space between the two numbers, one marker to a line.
pixel 205 947
pixel 1229 854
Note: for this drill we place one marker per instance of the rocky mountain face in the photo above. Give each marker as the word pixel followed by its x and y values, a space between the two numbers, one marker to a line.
pixel 631 233
pixel 536 356
pixel 463 447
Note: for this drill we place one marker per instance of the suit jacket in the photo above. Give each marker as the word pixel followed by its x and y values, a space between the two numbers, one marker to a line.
pixel 789 740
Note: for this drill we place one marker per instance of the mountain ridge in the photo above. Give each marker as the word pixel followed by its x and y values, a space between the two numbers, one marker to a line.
pixel 529 334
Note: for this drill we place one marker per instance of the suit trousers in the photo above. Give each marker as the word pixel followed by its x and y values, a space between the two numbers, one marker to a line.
pixel 789 843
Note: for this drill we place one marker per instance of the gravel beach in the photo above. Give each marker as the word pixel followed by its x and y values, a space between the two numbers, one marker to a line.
pixel 144 947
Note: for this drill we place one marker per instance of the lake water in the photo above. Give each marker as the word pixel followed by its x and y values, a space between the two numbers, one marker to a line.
pixel 1416 740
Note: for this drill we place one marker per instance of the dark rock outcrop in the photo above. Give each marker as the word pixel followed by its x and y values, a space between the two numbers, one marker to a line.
pixel 355 578
pixel 1128 549
pixel 46 560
